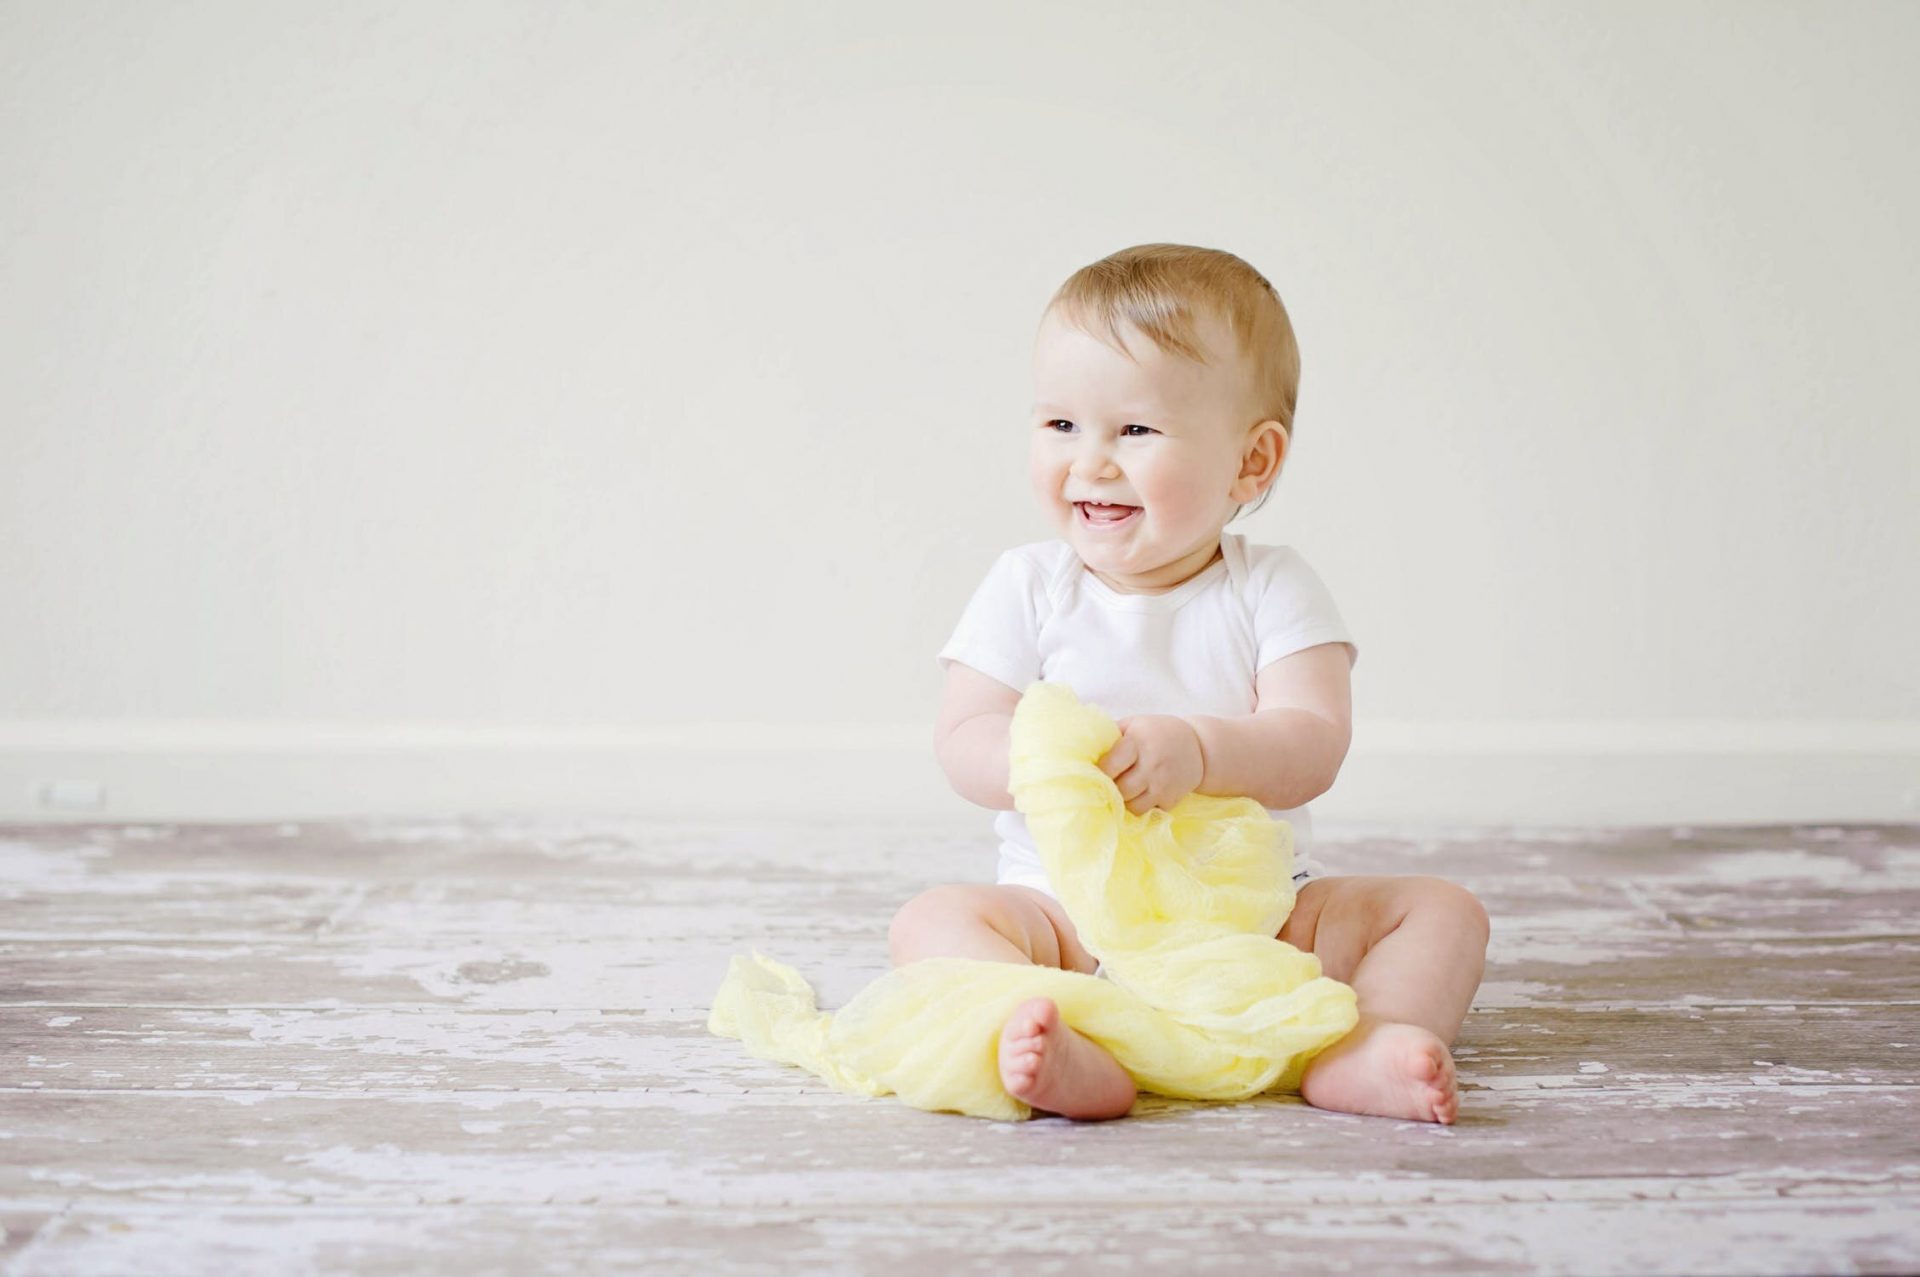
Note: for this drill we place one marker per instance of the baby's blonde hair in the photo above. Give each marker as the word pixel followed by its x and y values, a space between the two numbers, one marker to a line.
pixel 1160 288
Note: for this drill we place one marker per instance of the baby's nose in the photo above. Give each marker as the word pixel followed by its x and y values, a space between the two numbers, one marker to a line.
pixel 1093 461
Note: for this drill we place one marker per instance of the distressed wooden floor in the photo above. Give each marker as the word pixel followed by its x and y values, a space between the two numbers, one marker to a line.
pixel 393 1047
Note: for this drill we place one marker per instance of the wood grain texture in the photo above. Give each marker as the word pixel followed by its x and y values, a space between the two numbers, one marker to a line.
pixel 480 1045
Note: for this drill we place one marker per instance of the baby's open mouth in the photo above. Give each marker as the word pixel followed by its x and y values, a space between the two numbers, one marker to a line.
pixel 1099 515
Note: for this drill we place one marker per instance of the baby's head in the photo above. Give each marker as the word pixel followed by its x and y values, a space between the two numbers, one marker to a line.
pixel 1164 379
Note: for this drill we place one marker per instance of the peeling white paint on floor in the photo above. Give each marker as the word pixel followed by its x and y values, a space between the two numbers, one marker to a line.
pixel 479 1044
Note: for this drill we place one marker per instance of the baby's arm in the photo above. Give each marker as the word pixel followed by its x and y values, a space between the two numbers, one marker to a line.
pixel 973 736
pixel 1287 752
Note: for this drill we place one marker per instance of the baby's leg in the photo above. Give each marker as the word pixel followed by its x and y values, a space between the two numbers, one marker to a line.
pixel 1002 923
pixel 1414 949
pixel 1042 1061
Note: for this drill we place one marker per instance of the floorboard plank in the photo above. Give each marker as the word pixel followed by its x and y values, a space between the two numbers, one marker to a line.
pixel 557 970
pixel 431 1048
pixel 765 1147
pixel 1838 1233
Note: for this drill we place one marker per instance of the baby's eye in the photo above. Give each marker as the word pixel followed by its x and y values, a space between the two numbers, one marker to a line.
pixel 1060 421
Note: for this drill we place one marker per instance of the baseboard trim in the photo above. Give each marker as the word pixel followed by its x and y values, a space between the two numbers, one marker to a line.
pixel 1557 773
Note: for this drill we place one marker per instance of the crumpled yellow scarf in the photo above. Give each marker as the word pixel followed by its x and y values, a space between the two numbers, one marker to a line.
pixel 1196 1000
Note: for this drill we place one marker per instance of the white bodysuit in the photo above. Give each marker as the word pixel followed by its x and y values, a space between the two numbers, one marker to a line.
pixel 1195 649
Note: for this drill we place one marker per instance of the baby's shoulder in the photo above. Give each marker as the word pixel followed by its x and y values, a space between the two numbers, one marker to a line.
pixel 1028 576
pixel 1277 575
pixel 1265 562
pixel 1047 552
pixel 1042 563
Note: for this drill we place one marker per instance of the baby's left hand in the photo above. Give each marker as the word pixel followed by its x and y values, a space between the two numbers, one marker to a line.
pixel 1156 762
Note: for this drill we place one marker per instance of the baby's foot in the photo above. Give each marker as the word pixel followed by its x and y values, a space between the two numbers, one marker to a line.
pixel 1387 1070
pixel 1051 1067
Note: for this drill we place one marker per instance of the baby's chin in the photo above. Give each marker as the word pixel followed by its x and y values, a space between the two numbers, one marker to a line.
pixel 1130 559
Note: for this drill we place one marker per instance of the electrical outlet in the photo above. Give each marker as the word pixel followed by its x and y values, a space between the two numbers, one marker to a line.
pixel 73 795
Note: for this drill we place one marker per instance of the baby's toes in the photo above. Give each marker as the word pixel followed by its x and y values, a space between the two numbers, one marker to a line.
pixel 1042 1013
pixel 1447 1094
pixel 1025 1030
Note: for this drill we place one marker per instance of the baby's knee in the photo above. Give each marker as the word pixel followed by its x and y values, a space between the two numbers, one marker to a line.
pixel 1473 913
pixel 1462 908
pixel 969 919
pixel 918 924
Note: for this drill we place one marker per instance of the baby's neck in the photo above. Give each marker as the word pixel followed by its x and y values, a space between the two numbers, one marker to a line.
pixel 1170 577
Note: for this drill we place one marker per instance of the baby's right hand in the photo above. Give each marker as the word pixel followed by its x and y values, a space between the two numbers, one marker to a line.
pixel 1156 762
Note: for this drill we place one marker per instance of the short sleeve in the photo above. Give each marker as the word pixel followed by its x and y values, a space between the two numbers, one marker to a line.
pixel 1294 610
pixel 999 632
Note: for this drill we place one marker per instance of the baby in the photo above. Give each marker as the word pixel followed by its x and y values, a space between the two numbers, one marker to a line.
pixel 1165 378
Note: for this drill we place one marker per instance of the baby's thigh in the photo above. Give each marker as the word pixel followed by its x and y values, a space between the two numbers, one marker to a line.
pixel 1068 953
pixel 936 923
pixel 1338 918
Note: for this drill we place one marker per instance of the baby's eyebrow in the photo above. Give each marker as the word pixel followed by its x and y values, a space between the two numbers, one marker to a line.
pixel 1125 412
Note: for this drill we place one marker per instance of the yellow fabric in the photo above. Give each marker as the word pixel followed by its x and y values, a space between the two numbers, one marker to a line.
pixel 1196 999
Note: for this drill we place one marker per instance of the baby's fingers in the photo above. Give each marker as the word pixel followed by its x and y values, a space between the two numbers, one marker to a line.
pixel 1122 756
pixel 1137 792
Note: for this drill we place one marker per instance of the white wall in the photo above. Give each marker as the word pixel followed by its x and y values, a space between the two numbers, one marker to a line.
pixel 442 405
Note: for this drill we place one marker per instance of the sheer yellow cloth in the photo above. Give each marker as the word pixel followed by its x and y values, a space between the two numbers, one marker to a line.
pixel 1196 999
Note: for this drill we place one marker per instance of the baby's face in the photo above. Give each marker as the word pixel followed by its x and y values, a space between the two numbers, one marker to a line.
pixel 1164 435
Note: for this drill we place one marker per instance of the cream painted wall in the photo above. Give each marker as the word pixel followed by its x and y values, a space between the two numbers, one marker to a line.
pixel 441 405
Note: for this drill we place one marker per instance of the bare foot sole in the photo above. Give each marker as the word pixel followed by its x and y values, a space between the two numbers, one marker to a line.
pixel 1385 1069
pixel 1053 1068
